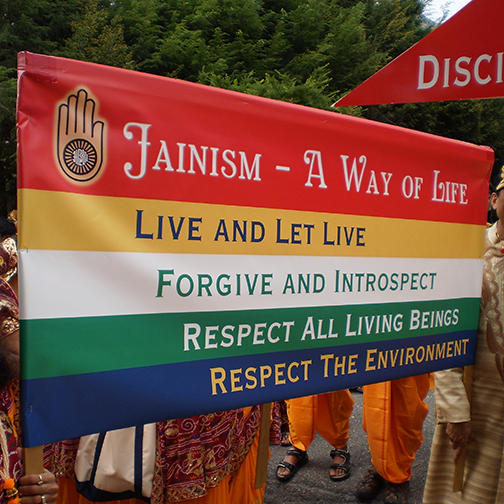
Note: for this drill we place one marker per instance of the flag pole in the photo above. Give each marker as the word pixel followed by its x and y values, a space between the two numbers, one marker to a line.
pixel 34 460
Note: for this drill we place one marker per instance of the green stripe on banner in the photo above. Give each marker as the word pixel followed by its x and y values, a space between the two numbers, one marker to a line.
pixel 94 344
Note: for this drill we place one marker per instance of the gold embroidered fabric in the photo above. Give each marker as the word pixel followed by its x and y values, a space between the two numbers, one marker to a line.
pixel 9 310
pixel 8 258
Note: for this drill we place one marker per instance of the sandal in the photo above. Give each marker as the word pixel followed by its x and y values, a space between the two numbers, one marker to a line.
pixel 302 459
pixel 369 486
pixel 344 467
pixel 396 493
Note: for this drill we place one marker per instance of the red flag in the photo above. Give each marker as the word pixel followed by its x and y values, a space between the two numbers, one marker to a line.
pixel 462 59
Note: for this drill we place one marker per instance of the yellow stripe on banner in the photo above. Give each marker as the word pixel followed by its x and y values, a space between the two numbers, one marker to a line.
pixel 67 221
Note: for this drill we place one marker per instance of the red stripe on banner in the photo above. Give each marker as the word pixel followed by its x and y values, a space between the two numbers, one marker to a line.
pixel 169 139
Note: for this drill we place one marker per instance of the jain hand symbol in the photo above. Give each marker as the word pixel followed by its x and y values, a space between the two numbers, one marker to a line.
pixel 80 138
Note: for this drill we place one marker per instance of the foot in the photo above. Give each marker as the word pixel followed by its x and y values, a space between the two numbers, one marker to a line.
pixel 340 469
pixel 369 486
pixel 396 493
pixel 285 439
pixel 293 461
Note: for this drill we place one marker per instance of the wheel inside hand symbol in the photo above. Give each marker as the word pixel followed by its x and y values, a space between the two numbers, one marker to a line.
pixel 80 138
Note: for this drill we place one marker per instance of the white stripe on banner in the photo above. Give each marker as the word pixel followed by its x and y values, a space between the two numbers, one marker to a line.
pixel 74 283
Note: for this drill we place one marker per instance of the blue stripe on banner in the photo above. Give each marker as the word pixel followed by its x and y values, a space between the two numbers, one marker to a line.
pixel 69 406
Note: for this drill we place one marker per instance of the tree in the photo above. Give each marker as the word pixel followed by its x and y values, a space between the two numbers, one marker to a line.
pixel 7 138
pixel 38 26
pixel 303 51
pixel 98 37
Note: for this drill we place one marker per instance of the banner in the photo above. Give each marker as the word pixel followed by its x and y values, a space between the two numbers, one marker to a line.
pixel 186 249
pixel 462 59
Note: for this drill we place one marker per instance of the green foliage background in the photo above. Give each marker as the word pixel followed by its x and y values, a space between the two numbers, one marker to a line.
pixel 302 51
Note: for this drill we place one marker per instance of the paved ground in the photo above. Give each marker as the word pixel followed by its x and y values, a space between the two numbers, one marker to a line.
pixel 312 484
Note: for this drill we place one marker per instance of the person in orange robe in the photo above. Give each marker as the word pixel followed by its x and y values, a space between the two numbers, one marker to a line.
pixel 210 465
pixel 393 416
pixel 329 415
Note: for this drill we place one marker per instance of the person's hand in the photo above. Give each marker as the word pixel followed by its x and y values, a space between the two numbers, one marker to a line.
pixel 459 434
pixel 38 488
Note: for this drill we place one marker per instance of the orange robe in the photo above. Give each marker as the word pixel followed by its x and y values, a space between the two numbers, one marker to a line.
pixel 328 414
pixel 393 416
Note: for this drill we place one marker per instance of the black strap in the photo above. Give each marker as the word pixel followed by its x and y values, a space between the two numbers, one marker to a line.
pixel 138 475
pixel 97 453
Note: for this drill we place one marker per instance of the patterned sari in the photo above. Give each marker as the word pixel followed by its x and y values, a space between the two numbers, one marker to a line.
pixel 9 420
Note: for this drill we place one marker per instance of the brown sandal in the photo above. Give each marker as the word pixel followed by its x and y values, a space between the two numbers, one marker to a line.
pixel 302 457
pixel 345 466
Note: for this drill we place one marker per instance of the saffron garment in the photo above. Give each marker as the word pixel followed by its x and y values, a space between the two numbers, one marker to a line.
pixel 328 414
pixel 484 464
pixel 206 459
pixel 393 416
